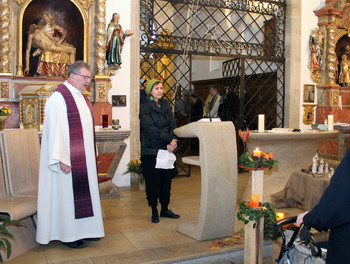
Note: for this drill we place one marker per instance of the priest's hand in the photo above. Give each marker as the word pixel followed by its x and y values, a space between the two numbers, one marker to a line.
pixel 65 168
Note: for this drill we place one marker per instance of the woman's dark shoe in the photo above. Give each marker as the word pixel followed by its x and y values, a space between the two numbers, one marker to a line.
pixel 169 214
pixel 155 218
pixel 75 244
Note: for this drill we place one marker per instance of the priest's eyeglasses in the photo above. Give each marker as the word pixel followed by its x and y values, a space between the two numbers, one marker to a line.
pixel 82 75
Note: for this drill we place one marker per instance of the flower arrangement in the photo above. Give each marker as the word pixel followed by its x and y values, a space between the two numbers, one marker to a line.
pixel 244 137
pixel 5 111
pixel 248 212
pixel 134 166
pixel 257 161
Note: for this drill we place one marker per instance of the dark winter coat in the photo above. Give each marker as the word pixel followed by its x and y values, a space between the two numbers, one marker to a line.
pixel 333 212
pixel 157 125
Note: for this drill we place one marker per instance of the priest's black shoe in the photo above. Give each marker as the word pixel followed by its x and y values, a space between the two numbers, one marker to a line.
pixel 169 214
pixel 75 244
pixel 155 218
pixel 92 239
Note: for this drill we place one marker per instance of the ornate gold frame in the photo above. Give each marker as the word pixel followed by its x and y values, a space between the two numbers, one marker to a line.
pixel 82 5
pixel 20 31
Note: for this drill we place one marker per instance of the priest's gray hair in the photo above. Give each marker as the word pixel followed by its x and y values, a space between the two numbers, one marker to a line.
pixel 77 66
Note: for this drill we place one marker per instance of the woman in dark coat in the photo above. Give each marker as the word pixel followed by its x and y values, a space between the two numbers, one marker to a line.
pixel 333 212
pixel 157 125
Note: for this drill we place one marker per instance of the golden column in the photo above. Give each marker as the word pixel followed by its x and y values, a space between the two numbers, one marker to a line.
pixel 331 57
pixel 100 52
pixel 102 81
pixel 5 37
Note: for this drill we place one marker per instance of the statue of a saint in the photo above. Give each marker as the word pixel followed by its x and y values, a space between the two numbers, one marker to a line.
pixel 344 75
pixel 115 41
pixel 49 39
pixel 314 164
pixel 326 168
pixel 316 49
pixel 321 167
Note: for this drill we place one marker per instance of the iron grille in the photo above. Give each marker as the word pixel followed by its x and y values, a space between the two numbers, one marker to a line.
pixel 250 32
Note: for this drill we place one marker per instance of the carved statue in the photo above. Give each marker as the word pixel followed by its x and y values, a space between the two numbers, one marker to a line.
pixel 115 41
pixel 50 41
pixel 316 48
pixel 344 75
pixel 321 167
pixel 314 164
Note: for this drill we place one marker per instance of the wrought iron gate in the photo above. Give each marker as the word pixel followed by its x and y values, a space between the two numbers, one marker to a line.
pixel 250 32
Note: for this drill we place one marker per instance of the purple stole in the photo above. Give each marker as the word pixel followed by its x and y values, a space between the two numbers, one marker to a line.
pixel 81 191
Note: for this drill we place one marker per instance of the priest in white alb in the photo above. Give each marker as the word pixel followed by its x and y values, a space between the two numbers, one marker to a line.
pixel 69 207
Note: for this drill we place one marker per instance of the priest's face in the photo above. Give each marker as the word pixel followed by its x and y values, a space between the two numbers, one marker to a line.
pixel 81 79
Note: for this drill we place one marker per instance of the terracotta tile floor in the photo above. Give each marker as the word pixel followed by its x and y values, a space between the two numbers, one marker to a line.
pixel 130 235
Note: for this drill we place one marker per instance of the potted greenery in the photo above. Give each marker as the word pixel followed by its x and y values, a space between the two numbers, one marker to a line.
pixel 5 245
pixel 134 166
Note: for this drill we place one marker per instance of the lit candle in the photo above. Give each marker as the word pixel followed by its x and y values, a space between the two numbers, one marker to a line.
pixel 254 202
pixel 330 122
pixel 257 153
pixel 279 216
pixel 261 123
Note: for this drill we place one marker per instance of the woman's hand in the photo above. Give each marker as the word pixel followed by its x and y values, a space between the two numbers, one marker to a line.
pixel 174 142
pixel 172 146
pixel 300 218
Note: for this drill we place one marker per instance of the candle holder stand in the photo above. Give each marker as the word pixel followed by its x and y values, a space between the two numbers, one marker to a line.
pixel 254 237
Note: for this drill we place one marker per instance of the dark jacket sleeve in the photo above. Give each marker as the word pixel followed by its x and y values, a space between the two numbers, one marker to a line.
pixel 333 210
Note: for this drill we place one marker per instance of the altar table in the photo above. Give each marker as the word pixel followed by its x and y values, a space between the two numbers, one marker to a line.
pixel 301 188
pixel 293 150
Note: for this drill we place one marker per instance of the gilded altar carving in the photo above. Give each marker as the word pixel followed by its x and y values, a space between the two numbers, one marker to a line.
pixel 5 37
pixel 334 24
pixel 315 75
pixel 100 51
pixel 32 100
pixel 331 57
pixel 86 4
pixel 19 2
pixel 101 92
pixel 308 117
pixel 5 90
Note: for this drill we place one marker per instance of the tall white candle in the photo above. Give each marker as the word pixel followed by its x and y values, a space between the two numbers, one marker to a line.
pixel 330 122
pixel 261 123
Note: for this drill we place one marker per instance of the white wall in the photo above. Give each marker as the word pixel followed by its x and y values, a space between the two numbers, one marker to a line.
pixel 121 82
pixel 309 22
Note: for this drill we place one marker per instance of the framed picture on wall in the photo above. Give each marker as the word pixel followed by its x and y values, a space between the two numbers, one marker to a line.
pixel 118 100
pixel 309 94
